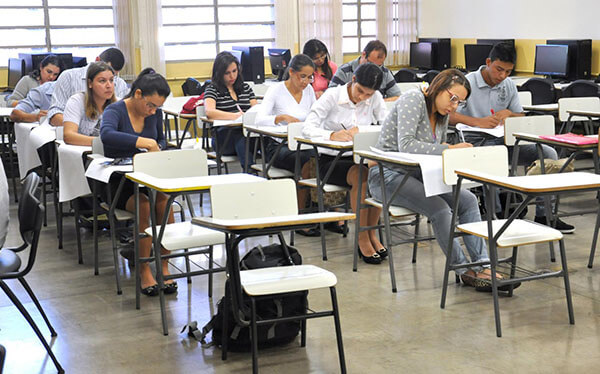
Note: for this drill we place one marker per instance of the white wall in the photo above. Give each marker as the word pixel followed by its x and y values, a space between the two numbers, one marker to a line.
pixel 518 19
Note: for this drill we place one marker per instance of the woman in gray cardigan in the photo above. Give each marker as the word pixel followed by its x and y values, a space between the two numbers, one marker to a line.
pixel 417 124
pixel 48 71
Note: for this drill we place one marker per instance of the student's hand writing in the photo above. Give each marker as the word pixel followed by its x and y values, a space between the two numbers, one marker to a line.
pixel 41 113
pixel 502 115
pixel 488 122
pixel 343 135
pixel 286 118
pixel 460 145
pixel 147 143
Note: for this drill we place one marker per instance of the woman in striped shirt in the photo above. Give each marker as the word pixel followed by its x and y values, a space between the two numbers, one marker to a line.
pixel 227 97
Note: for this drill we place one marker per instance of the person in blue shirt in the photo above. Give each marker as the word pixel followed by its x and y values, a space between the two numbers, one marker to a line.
pixel 35 105
pixel 129 125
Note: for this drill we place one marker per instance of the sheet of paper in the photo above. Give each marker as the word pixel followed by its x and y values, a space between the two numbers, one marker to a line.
pixel 99 170
pixel 497 131
pixel 225 122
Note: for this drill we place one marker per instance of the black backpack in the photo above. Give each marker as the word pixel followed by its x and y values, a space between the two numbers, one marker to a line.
pixel 276 334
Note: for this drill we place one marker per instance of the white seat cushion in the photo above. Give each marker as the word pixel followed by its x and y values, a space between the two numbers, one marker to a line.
pixel 182 235
pixel 223 157
pixel 274 172
pixel 312 182
pixel 120 214
pixel 395 211
pixel 283 279
pixel 520 232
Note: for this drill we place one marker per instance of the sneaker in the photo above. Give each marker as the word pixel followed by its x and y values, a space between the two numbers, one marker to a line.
pixel 561 225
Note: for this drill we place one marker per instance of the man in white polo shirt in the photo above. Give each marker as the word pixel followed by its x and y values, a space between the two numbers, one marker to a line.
pixel 493 99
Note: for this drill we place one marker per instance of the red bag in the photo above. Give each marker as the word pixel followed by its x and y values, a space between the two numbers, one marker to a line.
pixel 190 106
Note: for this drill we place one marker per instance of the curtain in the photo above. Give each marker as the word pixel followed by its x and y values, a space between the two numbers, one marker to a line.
pixel 322 19
pixel 124 37
pixel 149 24
pixel 397 27
pixel 286 32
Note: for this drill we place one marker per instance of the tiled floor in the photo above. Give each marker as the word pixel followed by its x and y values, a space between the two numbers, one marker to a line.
pixel 102 332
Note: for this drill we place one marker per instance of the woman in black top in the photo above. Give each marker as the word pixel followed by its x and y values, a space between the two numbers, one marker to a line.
pixel 227 97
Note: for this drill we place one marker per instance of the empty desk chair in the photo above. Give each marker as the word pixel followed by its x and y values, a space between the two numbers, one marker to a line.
pixel 30 223
pixel 582 104
pixel 525 97
pixel 542 90
pixel 581 88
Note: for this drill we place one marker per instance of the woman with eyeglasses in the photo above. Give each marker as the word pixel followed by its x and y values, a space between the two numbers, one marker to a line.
pixel 47 71
pixel 338 115
pixel 227 97
pixel 135 125
pixel 83 111
pixel 325 69
pixel 417 124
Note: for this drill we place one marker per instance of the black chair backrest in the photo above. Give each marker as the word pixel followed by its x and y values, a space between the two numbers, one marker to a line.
pixel 542 90
pixel 2 356
pixel 406 75
pixel 428 77
pixel 581 88
pixel 191 87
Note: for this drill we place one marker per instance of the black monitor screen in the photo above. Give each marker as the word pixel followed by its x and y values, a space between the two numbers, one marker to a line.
pixel 279 59
pixel 16 69
pixel 551 60
pixel 421 55
pixel 475 55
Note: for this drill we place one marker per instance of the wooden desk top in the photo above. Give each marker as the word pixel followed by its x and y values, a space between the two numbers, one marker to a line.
pixel 370 155
pixel 537 139
pixel 535 184
pixel 272 131
pixel 584 113
pixel 542 107
pixel 189 184
pixel 270 222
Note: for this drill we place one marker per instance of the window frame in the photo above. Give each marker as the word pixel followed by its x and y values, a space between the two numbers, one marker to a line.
pixel 359 35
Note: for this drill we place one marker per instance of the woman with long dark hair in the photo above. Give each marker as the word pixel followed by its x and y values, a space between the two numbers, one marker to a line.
pixel 325 69
pixel 227 97
pixel 47 71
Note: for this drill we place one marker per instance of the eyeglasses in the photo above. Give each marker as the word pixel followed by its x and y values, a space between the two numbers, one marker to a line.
pixel 150 105
pixel 307 78
pixel 454 99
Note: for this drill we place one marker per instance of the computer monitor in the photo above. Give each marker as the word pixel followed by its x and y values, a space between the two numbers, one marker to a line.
pixel 552 60
pixel 33 60
pixel 493 42
pixel 475 55
pixel 421 55
pixel 253 63
pixel 279 59
pixel 16 69
pixel 237 54
pixel 79 62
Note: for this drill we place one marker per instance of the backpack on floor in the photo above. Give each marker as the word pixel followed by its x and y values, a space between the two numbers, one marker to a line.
pixel 275 334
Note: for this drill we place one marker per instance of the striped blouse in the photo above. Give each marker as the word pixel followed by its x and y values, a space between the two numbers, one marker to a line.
pixel 226 103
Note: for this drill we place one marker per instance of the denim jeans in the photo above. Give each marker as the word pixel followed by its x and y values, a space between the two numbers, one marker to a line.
pixel 236 144
pixel 527 154
pixel 438 210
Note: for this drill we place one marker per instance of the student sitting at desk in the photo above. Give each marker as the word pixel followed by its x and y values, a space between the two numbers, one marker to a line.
pixel 494 99
pixel 417 124
pixel 74 80
pixel 83 112
pixel 48 71
pixel 337 115
pixel 35 105
pixel 227 97
pixel 375 52
pixel 130 125
pixel 325 69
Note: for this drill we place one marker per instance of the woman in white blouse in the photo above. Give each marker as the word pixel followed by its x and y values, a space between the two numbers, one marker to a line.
pixel 288 102
pixel 83 111
pixel 337 115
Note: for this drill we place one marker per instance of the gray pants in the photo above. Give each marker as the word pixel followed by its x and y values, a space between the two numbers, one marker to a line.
pixel 437 209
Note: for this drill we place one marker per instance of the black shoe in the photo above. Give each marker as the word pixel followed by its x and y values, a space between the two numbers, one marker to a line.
pixel 561 226
pixel 487 287
pixel 375 259
pixel 313 232
pixel 383 253
pixel 334 227
pixel 128 254
pixel 170 288
pixel 150 291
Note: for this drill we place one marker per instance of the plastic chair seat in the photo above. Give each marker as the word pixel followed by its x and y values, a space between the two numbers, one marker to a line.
pixel 120 214
pixel 520 232
pixel 9 261
pixel 273 171
pixel 224 158
pixel 183 235
pixel 395 211
pixel 284 279
pixel 312 182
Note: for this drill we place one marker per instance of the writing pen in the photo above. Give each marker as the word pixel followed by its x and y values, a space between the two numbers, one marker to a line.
pixel 343 126
pixel 492 110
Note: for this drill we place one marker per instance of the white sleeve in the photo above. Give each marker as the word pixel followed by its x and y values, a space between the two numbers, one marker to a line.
pixel 73 109
pixel 313 125
pixel 379 108
pixel 265 116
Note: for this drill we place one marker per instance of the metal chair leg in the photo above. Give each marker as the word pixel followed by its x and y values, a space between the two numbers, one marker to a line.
pixel 338 330
pixel 38 305
pixel 565 271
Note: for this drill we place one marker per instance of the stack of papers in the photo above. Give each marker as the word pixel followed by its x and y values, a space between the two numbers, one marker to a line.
pixel 497 131
pixel 571 138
